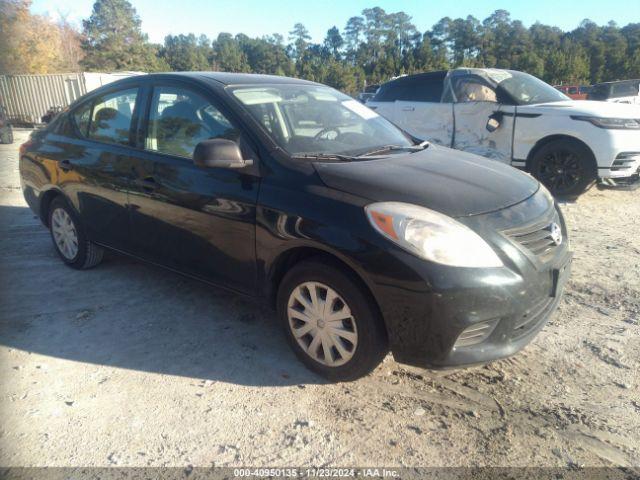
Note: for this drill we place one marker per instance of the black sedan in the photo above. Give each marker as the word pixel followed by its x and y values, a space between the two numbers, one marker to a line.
pixel 363 238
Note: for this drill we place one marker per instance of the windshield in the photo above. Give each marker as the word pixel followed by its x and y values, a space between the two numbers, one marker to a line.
pixel 316 120
pixel 526 89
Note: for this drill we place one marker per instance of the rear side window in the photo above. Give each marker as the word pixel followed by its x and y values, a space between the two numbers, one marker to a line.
pixel 82 118
pixel 112 116
pixel 421 88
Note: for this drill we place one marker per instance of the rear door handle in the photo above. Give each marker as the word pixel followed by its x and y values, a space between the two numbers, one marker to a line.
pixel 408 109
pixel 148 184
pixel 66 165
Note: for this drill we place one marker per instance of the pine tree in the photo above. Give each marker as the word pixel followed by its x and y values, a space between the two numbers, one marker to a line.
pixel 114 41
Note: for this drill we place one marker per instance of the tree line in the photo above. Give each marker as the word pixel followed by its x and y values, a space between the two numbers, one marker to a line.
pixel 371 48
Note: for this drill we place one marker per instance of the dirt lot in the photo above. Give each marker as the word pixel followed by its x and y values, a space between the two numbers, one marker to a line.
pixel 130 365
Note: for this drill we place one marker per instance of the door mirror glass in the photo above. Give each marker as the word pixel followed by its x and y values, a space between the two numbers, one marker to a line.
pixel 219 153
pixel 494 122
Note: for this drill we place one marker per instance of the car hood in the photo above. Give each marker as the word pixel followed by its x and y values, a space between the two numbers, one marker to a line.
pixel 584 107
pixel 448 181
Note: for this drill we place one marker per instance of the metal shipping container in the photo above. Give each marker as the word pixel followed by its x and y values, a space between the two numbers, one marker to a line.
pixel 26 98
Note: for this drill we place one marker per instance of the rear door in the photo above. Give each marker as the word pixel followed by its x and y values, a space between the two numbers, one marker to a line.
pixel 475 102
pixel 91 154
pixel 197 220
pixel 420 111
pixel 414 104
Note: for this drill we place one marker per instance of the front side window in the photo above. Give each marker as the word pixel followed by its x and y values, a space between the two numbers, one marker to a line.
pixel 180 119
pixel 112 116
pixel 472 89
pixel 309 119
pixel 502 86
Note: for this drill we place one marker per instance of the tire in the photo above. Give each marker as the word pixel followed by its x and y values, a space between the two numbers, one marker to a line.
pixel 361 316
pixel 7 135
pixel 82 253
pixel 566 167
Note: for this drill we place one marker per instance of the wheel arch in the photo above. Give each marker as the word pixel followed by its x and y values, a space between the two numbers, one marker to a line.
pixel 46 199
pixel 286 259
pixel 552 138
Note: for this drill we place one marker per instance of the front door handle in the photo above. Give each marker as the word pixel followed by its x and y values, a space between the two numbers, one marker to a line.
pixel 148 184
pixel 408 109
pixel 66 165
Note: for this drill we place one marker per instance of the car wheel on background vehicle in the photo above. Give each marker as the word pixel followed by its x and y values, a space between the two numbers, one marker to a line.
pixel 69 238
pixel 331 321
pixel 565 167
pixel 7 135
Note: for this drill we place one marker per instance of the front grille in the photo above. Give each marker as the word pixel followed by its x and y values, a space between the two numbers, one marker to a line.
pixel 537 238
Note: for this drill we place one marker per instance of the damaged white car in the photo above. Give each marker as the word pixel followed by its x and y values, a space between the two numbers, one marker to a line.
pixel 518 119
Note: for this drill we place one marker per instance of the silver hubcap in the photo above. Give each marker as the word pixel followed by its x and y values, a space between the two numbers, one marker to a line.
pixel 322 324
pixel 64 233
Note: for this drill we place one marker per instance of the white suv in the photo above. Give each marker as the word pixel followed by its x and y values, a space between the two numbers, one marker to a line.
pixel 518 119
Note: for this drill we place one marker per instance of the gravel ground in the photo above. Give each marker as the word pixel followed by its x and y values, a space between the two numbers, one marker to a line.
pixel 130 365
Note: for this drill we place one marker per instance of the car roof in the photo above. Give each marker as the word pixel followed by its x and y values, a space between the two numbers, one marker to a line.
pixel 420 75
pixel 219 79
pixel 443 73
pixel 229 78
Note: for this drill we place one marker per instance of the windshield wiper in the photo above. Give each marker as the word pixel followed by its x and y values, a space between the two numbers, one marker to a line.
pixel 394 148
pixel 324 156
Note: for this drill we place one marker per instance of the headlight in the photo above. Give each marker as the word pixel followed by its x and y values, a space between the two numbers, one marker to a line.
pixel 611 123
pixel 431 235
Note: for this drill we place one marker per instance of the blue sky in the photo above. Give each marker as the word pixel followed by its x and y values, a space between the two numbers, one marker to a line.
pixel 262 17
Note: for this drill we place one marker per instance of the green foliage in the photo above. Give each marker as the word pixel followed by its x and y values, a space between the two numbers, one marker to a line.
pixel 373 47
pixel 113 40
pixel 186 52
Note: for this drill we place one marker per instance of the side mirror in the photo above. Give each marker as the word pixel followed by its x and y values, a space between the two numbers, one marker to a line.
pixel 219 153
pixel 494 121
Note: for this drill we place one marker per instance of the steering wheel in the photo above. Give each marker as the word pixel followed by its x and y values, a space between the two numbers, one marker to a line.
pixel 325 133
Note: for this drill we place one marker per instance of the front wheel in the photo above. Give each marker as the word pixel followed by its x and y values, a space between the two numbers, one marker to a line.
pixel 565 167
pixel 69 238
pixel 330 321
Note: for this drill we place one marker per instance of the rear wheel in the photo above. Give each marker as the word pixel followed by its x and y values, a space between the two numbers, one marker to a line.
pixel 566 167
pixel 69 238
pixel 330 321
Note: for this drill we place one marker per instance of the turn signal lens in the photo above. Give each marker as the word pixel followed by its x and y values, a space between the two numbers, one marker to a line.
pixel 384 223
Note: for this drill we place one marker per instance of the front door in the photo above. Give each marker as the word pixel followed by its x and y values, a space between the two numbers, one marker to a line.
pixel 197 220
pixel 475 103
